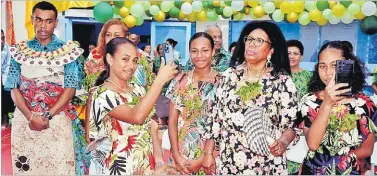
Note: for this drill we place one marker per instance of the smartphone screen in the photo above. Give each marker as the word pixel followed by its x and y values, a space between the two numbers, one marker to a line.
pixel 343 74
pixel 167 51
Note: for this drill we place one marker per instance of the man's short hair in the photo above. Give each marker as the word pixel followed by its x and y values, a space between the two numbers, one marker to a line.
pixel 44 5
pixel 211 26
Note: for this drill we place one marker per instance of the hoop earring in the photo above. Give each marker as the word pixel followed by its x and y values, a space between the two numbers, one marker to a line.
pixel 268 63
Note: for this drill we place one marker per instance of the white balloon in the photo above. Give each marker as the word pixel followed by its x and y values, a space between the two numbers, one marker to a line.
pixel 333 19
pixel 369 8
pixel 237 5
pixel 186 8
pixel 347 18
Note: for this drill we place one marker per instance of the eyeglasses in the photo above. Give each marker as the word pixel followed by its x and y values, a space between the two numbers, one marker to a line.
pixel 195 53
pixel 257 41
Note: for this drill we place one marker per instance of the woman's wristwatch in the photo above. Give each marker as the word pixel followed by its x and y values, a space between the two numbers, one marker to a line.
pixel 47 115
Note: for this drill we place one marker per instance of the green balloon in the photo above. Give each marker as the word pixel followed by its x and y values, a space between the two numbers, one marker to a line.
pixel 148 13
pixel 228 2
pixel 210 5
pixel 154 9
pixel 103 12
pixel 354 8
pixel 174 12
pixel 322 5
pixel 146 5
pixel 219 10
pixel 139 21
pixel 212 15
pixel 243 10
pixel 137 10
pixel 118 3
pixel 116 10
pixel 228 11
pixel 205 5
pixel 304 18
pixel 178 3
pixel 225 17
pixel 346 3
pixel 239 16
pixel 165 6
pixel 327 13
pixel 369 25
pixel 197 6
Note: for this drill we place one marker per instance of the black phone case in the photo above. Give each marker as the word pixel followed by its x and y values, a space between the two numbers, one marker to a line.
pixel 343 74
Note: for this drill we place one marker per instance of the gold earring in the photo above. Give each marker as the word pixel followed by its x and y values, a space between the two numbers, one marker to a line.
pixel 268 63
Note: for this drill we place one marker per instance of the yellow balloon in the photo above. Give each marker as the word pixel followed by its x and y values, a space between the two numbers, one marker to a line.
pixel 247 10
pixel 155 2
pixel 292 17
pixel 189 1
pixel 338 10
pixel 298 6
pixel 235 12
pixel 322 21
pixel 315 15
pixel 160 17
pixel 191 17
pixel 285 7
pixel 252 3
pixel 129 3
pixel 258 11
pixel 181 16
pixel 278 3
pixel 360 16
pixel 130 21
pixel 124 11
pixel 332 3
pixel 202 16
pixel 216 3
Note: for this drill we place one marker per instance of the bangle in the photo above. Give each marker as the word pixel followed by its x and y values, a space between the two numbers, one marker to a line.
pixel 208 152
pixel 31 118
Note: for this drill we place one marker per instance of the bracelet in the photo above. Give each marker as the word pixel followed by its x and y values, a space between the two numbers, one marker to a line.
pixel 208 152
pixel 31 118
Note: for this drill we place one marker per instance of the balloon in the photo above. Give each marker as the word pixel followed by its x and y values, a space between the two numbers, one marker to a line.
pixel 354 8
pixel 322 5
pixel 129 3
pixel 228 11
pixel 205 4
pixel 219 10
pixel 298 6
pixel 181 16
pixel 148 13
pixel 146 5
pixel 239 16
pixel 160 16
pixel 202 16
pixel 326 13
pixel 369 8
pixel 167 16
pixel 237 5
pixel 347 18
pixel 210 5
pixel 333 19
pixel 258 11
pixel 277 15
pixel 269 7
pixel 116 10
pixel 166 6
pixel 338 10
pixel 118 3
pixel 103 12
pixel 360 2
pixel 369 25
pixel 228 2
pixel 322 22
pixel 212 15
pixel 154 9
pixel 360 15
pixel 191 17
pixel 261 2
pixel 278 2
pixel 292 17
pixel 225 17
pixel 197 6
pixel 310 5
pixel 130 21
pixel 252 14
pixel 137 10
pixel 186 8
pixel 247 10
pixel 285 7
pixel 216 3
pixel 139 21
pixel 178 3
pixel 174 12
pixel 315 15
pixel 332 3
pixel 252 3
pixel 346 3
pixel 304 18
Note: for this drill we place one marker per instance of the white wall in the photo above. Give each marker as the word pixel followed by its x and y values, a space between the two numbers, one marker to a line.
pixel 19 20
pixel 2 15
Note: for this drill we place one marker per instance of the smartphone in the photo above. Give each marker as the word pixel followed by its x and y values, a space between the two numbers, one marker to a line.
pixel 343 74
pixel 167 53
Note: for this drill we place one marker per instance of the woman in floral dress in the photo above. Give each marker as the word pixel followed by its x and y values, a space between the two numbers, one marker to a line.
pixel 121 112
pixel 190 94
pixel 254 108
pixel 338 129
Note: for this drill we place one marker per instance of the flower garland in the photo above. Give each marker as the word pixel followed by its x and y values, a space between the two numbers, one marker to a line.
pixel 249 90
pixel 341 119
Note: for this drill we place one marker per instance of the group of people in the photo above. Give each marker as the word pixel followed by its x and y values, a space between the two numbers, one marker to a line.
pixel 227 114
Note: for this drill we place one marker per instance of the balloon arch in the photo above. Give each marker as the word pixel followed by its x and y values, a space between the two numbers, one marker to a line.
pixel 303 12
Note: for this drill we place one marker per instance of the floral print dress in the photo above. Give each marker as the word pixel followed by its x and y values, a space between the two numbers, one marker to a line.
pixel 193 106
pixel 349 126
pixel 119 148
pixel 226 122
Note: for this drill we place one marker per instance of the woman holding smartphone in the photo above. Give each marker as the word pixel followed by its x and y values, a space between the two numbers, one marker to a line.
pixel 338 129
